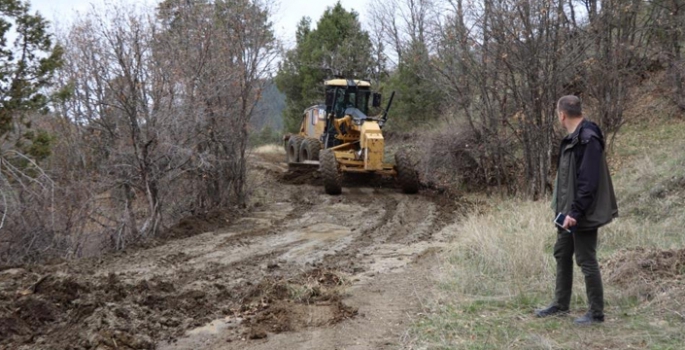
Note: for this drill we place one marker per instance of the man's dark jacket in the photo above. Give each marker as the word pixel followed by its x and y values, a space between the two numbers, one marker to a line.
pixel 583 188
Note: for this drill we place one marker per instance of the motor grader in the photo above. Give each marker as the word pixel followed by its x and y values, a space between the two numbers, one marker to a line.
pixel 339 137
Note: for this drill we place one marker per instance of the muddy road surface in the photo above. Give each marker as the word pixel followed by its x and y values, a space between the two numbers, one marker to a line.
pixel 300 270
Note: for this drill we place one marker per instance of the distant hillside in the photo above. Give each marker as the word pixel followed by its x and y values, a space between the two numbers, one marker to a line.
pixel 269 109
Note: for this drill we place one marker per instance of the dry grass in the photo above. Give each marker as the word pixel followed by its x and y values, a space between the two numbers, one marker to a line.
pixel 650 187
pixel 503 250
pixel 269 149
pixel 500 267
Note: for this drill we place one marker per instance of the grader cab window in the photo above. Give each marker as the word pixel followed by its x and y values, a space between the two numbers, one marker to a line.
pixel 338 99
pixel 359 99
pixel 340 104
pixel 363 100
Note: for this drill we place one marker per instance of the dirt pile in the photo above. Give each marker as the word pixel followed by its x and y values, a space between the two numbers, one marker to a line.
pixel 86 312
pixel 648 273
pixel 200 223
pixel 38 308
pixel 312 299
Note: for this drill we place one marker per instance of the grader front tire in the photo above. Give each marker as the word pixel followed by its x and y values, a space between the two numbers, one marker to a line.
pixel 332 179
pixel 407 176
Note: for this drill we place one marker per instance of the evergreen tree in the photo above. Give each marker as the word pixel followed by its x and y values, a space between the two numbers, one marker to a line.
pixel 336 47
pixel 418 97
pixel 28 60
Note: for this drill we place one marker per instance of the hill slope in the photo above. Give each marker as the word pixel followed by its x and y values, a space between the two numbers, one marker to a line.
pixel 500 267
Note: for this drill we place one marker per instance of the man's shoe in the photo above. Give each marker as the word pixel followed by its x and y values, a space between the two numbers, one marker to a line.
pixel 588 319
pixel 551 311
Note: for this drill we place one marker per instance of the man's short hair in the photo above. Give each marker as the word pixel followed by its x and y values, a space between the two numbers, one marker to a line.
pixel 570 105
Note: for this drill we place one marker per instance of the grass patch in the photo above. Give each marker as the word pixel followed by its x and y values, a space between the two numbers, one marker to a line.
pixel 500 266
pixel 650 188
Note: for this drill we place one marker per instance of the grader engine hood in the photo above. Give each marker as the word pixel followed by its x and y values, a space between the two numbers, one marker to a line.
pixel 372 145
pixel 370 136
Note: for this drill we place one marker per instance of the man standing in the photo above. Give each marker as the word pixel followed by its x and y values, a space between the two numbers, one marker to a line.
pixel 583 192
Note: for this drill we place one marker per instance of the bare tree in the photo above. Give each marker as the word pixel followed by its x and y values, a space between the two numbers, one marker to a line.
pixel 505 72
pixel 665 24
pixel 503 64
pixel 160 104
pixel 222 65
pixel 617 56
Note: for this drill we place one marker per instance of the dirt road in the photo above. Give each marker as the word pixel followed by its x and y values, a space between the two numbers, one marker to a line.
pixel 302 270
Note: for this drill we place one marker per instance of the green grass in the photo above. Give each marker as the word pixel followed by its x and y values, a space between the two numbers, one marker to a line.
pixel 509 325
pixel 500 265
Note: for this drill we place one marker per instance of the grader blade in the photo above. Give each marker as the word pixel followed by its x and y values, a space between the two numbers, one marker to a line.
pixel 312 165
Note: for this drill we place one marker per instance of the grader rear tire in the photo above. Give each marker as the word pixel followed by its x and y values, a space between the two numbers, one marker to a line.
pixel 406 174
pixel 294 148
pixel 332 179
pixel 309 150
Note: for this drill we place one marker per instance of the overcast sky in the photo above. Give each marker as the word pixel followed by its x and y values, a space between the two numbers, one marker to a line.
pixel 288 13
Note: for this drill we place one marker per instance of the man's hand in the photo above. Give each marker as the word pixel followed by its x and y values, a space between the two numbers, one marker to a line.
pixel 569 222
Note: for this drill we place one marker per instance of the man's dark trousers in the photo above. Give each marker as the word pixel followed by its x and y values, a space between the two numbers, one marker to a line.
pixel 584 245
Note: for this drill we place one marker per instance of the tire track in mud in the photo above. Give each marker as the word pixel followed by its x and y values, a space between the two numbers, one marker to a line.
pixel 406 229
pixel 284 267
pixel 386 232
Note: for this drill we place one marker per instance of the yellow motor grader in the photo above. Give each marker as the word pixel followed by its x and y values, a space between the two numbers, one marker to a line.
pixel 339 137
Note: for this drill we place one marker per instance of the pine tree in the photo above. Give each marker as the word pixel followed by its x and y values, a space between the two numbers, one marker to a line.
pixel 336 47
pixel 28 60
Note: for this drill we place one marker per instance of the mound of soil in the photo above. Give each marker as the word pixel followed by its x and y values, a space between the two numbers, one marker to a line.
pixel 200 223
pixel 92 312
pixel 41 309
pixel 44 310
pixel 313 177
pixel 291 304
pixel 647 272
pixel 640 264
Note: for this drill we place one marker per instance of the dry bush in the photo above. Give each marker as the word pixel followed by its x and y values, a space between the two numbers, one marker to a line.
pixel 150 127
pixel 455 159
pixel 448 160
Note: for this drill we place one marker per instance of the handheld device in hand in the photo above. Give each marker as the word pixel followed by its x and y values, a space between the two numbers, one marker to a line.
pixel 559 221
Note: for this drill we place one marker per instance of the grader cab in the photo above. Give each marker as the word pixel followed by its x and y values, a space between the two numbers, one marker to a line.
pixel 339 137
